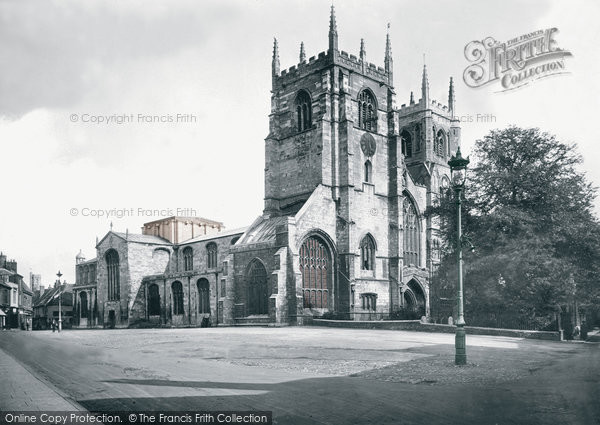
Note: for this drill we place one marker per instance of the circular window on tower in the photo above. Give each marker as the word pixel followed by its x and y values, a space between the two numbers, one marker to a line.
pixel 368 145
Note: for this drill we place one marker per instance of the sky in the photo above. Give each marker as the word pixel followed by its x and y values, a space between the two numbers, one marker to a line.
pixel 204 69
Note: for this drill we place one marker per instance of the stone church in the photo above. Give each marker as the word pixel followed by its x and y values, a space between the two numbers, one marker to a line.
pixel 348 176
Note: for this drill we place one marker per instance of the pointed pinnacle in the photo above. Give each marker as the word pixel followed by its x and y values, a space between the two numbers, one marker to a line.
pixel 302 53
pixel 275 62
pixel 275 48
pixel 425 82
pixel 363 53
pixel 451 97
pixel 332 22
pixel 388 43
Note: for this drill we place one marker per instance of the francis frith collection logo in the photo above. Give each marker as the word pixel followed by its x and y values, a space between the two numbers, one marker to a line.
pixel 516 62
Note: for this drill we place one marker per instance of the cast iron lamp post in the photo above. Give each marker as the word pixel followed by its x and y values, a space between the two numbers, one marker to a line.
pixel 59 274
pixel 458 171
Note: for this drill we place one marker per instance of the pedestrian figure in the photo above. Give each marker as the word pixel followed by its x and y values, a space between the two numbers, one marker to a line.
pixel 53 326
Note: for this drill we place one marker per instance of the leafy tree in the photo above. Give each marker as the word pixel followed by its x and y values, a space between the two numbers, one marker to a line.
pixel 529 212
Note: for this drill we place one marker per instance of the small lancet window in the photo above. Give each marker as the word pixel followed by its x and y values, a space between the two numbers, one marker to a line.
pixel 303 111
pixel 367 111
pixel 367 253
pixel 368 172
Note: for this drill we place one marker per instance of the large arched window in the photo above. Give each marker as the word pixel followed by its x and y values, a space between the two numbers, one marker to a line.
pixel 112 271
pixel 188 259
pixel 407 144
pixel 258 290
pixel 203 296
pixel 367 253
pixel 367 111
pixel 177 289
pixel 211 255
pixel 440 144
pixel 303 111
pixel 315 266
pixel 153 300
pixel 411 233
pixel 368 172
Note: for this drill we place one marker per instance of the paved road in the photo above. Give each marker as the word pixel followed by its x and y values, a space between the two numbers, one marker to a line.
pixel 319 376
pixel 21 390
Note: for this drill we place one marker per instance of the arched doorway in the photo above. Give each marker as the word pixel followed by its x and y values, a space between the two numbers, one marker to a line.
pixel 83 305
pixel 153 300
pixel 414 298
pixel 316 270
pixel 258 290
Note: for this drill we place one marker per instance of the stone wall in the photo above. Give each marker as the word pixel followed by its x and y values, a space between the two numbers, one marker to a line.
pixel 417 325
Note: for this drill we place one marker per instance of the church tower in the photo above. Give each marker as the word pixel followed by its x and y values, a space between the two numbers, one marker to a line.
pixel 335 134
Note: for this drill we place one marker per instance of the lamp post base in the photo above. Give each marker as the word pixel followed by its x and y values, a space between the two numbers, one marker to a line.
pixel 460 357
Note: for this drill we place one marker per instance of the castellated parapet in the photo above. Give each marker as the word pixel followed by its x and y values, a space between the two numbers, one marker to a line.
pixel 326 59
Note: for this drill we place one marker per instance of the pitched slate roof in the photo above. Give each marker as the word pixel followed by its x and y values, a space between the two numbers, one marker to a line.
pixel 137 238
pixel 262 230
pixel 51 296
pixel 25 288
pixel 218 235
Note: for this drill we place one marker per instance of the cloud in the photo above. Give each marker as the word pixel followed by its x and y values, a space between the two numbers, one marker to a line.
pixel 50 57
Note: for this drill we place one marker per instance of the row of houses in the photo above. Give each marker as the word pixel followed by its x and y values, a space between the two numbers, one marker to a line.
pixel 47 304
pixel 16 298
pixel 32 306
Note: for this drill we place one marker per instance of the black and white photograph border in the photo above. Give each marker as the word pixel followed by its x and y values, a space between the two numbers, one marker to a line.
pixel 299 212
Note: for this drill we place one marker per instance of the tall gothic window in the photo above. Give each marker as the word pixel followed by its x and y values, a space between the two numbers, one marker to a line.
pixel 407 144
pixel 367 111
pixel 177 289
pixel 418 137
pixel 188 259
pixel 153 300
pixel 112 270
pixel 203 296
pixel 315 268
pixel 211 255
pixel 440 144
pixel 303 111
pixel 258 290
pixel 411 233
pixel 368 172
pixel 367 253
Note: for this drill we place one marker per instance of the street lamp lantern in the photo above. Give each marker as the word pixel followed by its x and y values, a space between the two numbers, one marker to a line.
pixel 458 171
